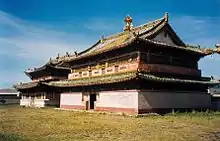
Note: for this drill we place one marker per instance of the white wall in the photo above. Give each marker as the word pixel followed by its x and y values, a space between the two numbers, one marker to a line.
pixel 118 99
pixel 25 102
pixel 74 98
pixel 149 99
pixel 37 102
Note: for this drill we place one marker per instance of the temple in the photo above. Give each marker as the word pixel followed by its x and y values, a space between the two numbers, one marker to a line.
pixel 142 69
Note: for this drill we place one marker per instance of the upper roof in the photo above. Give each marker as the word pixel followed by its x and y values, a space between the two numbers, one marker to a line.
pixel 145 32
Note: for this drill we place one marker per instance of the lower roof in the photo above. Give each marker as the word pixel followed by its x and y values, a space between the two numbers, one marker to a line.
pixel 109 79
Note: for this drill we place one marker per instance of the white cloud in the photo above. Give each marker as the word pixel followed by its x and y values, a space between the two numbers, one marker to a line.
pixel 198 30
pixel 32 44
pixel 104 26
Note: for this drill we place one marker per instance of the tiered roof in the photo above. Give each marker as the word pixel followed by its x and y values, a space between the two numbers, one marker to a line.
pixel 143 33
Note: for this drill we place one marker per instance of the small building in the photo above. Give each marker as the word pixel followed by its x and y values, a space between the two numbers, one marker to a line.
pixel 142 69
pixel 9 96
pixel 215 93
pixel 33 94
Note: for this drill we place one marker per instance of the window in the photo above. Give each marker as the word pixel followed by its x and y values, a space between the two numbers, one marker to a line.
pixel 116 68
pixel 90 73
pixel 103 70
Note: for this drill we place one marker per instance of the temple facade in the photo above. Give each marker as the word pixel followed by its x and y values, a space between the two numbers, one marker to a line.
pixel 142 69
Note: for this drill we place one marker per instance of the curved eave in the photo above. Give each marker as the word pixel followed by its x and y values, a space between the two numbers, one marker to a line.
pixel 173 80
pixel 24 86
pixel 99 80
pixel 36 69
pixel 202 52
pixel 43 68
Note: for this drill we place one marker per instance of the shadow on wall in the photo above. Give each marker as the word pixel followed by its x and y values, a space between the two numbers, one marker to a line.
pixel 11 137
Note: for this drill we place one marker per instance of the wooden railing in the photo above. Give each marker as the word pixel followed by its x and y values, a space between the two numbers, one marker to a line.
pixel 102 71
pixel 160 68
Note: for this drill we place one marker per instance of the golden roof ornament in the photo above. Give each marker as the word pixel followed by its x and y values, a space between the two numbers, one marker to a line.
pixel 128 23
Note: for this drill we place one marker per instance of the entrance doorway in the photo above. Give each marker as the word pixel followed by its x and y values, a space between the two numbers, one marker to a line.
pixel 92 99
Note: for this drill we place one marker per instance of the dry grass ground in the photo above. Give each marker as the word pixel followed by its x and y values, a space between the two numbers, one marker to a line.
pixel 21 124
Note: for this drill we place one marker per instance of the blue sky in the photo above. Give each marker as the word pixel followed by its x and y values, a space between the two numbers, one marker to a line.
pixel 32 31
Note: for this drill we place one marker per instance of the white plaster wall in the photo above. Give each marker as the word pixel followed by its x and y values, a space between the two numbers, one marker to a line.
pixel 162 38
pixel 118 99
pixel 39 103
pixel 148 100
pixel 25 102
pixel 71 99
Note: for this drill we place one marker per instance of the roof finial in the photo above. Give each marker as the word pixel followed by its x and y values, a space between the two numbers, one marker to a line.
pixel 76 54
pixel 128 23
pixel 166 16
pixel 67 54
pixel 217 45
pixel 102 39
pixel 58 56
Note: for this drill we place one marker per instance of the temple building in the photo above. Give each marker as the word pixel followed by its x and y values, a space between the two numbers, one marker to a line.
pixel 144 68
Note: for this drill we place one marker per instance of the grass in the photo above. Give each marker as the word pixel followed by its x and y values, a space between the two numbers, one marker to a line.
pixel 29 124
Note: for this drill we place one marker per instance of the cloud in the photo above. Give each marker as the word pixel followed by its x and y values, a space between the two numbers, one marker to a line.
pixel 104 26
pixel 28 44
pixel 198 30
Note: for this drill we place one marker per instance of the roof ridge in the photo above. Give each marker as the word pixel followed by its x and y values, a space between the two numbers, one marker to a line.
pixel 134 29
pixel 150 22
